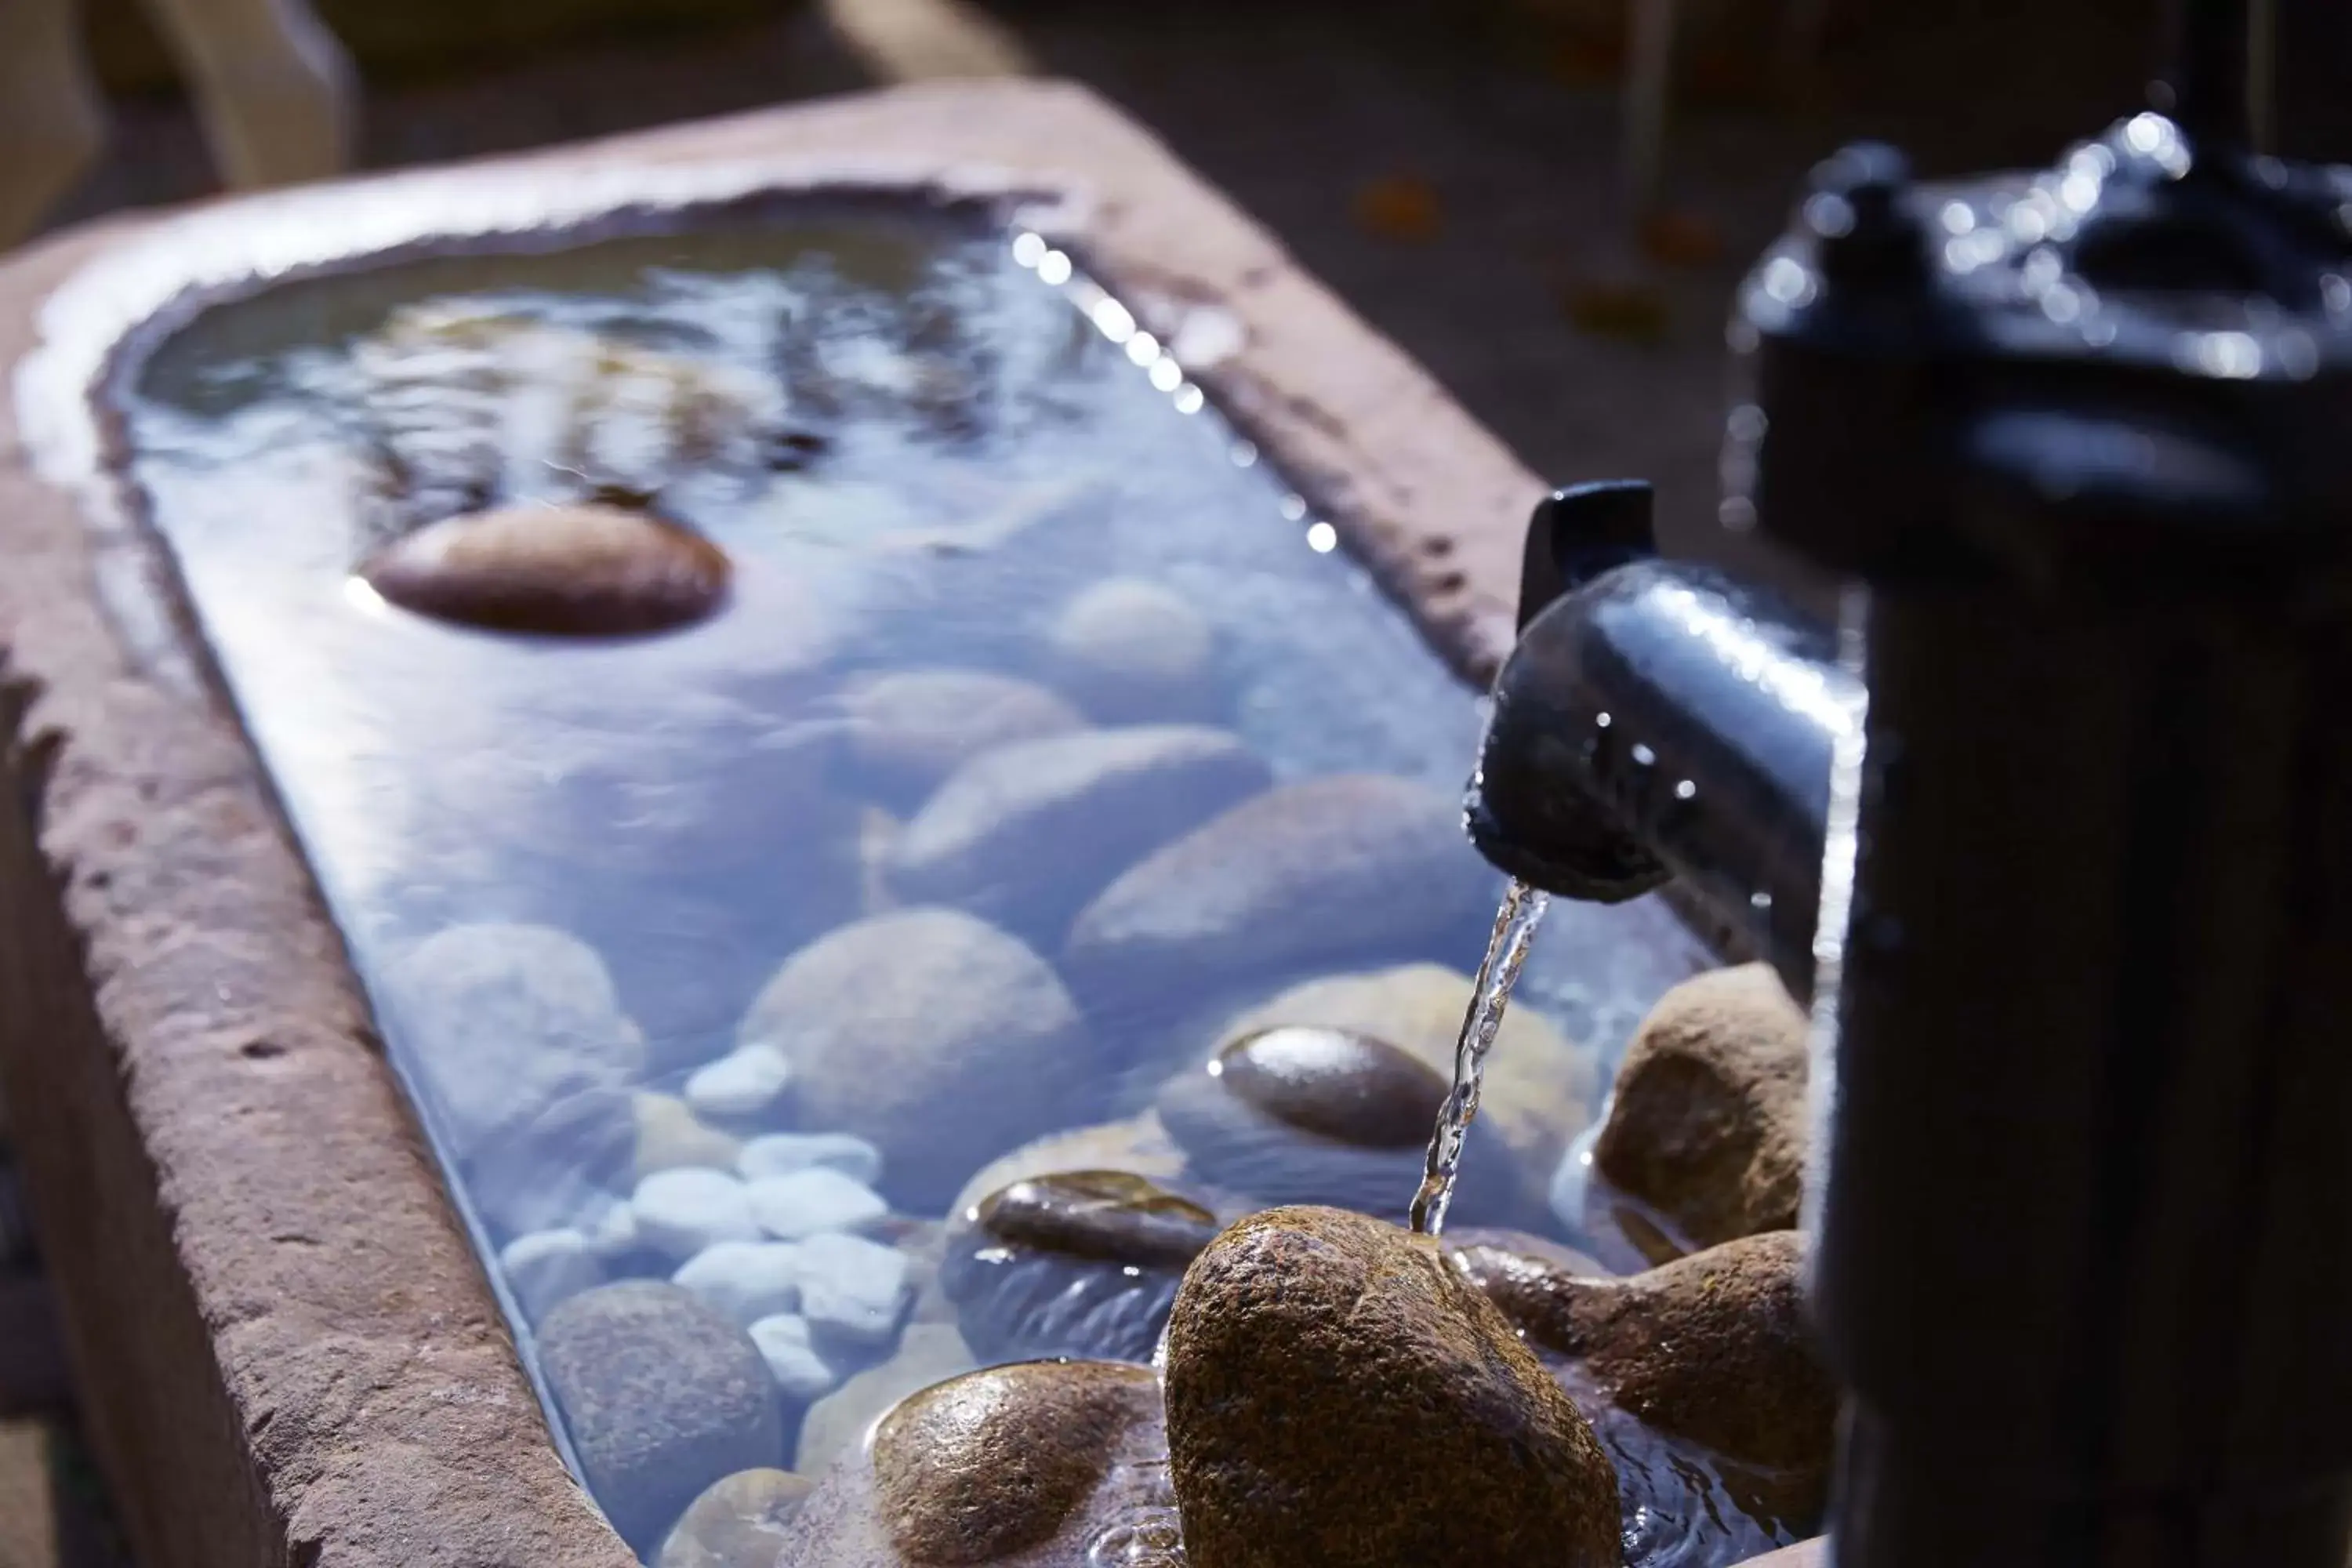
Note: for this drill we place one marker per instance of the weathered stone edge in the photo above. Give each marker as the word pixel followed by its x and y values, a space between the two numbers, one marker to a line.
pixel 288 1353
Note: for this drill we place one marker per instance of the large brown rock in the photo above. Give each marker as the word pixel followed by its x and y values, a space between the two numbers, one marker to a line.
pixel 1707 1124
pixel 939 1039
pixel 1030 1466
pixel 1338 1395
pixel 1714 1348
pixel 570 570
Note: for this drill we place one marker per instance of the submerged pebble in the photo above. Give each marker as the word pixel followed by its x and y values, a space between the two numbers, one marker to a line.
pixel 683 1212
pixel 1133 652
pixel 671 1137
pixel 1294 1115
pixel 909 729
pixel 1081 1264
pixel 742 1521
pixel 740 1084
pixel 553 570
pixel 663 1397
pixel 549 1266
pixel 782 1154
pixel 802 1375
pixel 854 1292
pixel 805 1202
pixel 744 1281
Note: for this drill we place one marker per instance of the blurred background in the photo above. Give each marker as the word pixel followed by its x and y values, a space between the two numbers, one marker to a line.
pixel 1456 170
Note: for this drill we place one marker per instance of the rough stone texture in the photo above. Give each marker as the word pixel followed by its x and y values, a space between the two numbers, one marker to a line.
pixel 1337 1394
pixel 938 1037
pixel 663 1397
pixel 1018 1467
pixel 239 1216
pixel 1713 1347
pixel 1707 1122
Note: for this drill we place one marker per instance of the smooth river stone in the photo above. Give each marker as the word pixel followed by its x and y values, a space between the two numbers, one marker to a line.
pixel 1708 1123
pixel 741 1083
pixel 1334 1083
pixel 1083 1264
pixel 803 1204
pixel 680 1213
pixel 553 570
pixel 935 1036
pixel 1026 834
pixel 1131 651
pixel 662 1396
pixel 909 729
pixel 853 1292
pixel 744 1281
pixel 1337 1394
pixel 782 1154
pixel 742 1521
pixel 803 1374
pixel 1336 868
pixel 837 1424
pixel 503 1022
pixel 548 1268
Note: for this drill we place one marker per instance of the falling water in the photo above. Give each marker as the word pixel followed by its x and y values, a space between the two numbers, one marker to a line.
pixel 1507 953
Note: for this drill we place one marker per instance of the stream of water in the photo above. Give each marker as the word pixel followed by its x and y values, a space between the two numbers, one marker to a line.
pixel 1515 921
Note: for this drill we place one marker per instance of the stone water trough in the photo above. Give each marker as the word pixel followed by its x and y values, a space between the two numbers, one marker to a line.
pixel 741 848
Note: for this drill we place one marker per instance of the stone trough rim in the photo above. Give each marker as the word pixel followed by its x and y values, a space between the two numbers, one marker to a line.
pixel 96 638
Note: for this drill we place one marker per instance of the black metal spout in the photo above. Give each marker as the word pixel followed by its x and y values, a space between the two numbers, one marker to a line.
pixel 1662 720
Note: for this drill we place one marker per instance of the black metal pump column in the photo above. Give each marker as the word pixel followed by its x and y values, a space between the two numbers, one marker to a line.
pixel 2083 860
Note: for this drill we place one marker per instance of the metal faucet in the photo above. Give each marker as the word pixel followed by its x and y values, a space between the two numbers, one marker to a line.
pixel 2054 829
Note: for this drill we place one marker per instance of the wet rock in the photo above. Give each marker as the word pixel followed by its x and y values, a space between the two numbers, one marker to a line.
pixel 1301 875
pixel 1025 835
pixel 662 1396
pixel 671 1137
pixel 1708 1121
pixel 1084 1264
pixel 744 1281
pixel 802 1375
pixel 935 1036
pixel 853 1292
pixel 1038 1466
pixel 803 1204
pixel 837 1424
pixel 1132 652
pixel 742 1521
pixel 1713 1347
pixel 910 729
pixel 548 1268
pixel 1138 1146
pixel 680 1213
pixel 742 1083
pixel 1541 1086
pixel 1337 1394
pixel 782 1154
pixel 505 1021
pixel 1295 1115
pixel 554 571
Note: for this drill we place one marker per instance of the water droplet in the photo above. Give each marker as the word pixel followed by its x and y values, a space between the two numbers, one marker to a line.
pixel 1054 267
pixel 1322 538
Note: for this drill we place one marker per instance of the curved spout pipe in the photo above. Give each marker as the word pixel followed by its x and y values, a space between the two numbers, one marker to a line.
pixel 1664 721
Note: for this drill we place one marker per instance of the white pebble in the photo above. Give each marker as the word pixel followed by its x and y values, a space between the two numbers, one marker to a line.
pixel 808 1203
pixel 611 1226
pixel 741 1083
pixel 782 1154
pixel 746 1281
pixel 800 1373
pixel 680 1213
pixel 549 1266
pixel 853 1291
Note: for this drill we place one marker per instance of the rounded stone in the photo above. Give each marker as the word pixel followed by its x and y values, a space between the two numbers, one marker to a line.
pixel 1025 834
pixel 740 1084
pixel 909 729
pixel 683 1212
pixel 1335 1084
pixel 975 1469
pixel 671 1137
pixel 1082 1264
pixel 662 1396
pixel 1337 867
pixel 1708 1121
pixel 744 1281
pixel 801 1203
pixel 837 1424
pixel 782 1154
pixel 1131 651
pixel 553 570
pixel 1540 1085
pixel 803 1374
pixel 1714 1347
pixel 1337 1393
pixel 548 1268
pixel 937 1038
pixel 853 1292
pixel 742 1521
pixel 1138 1146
